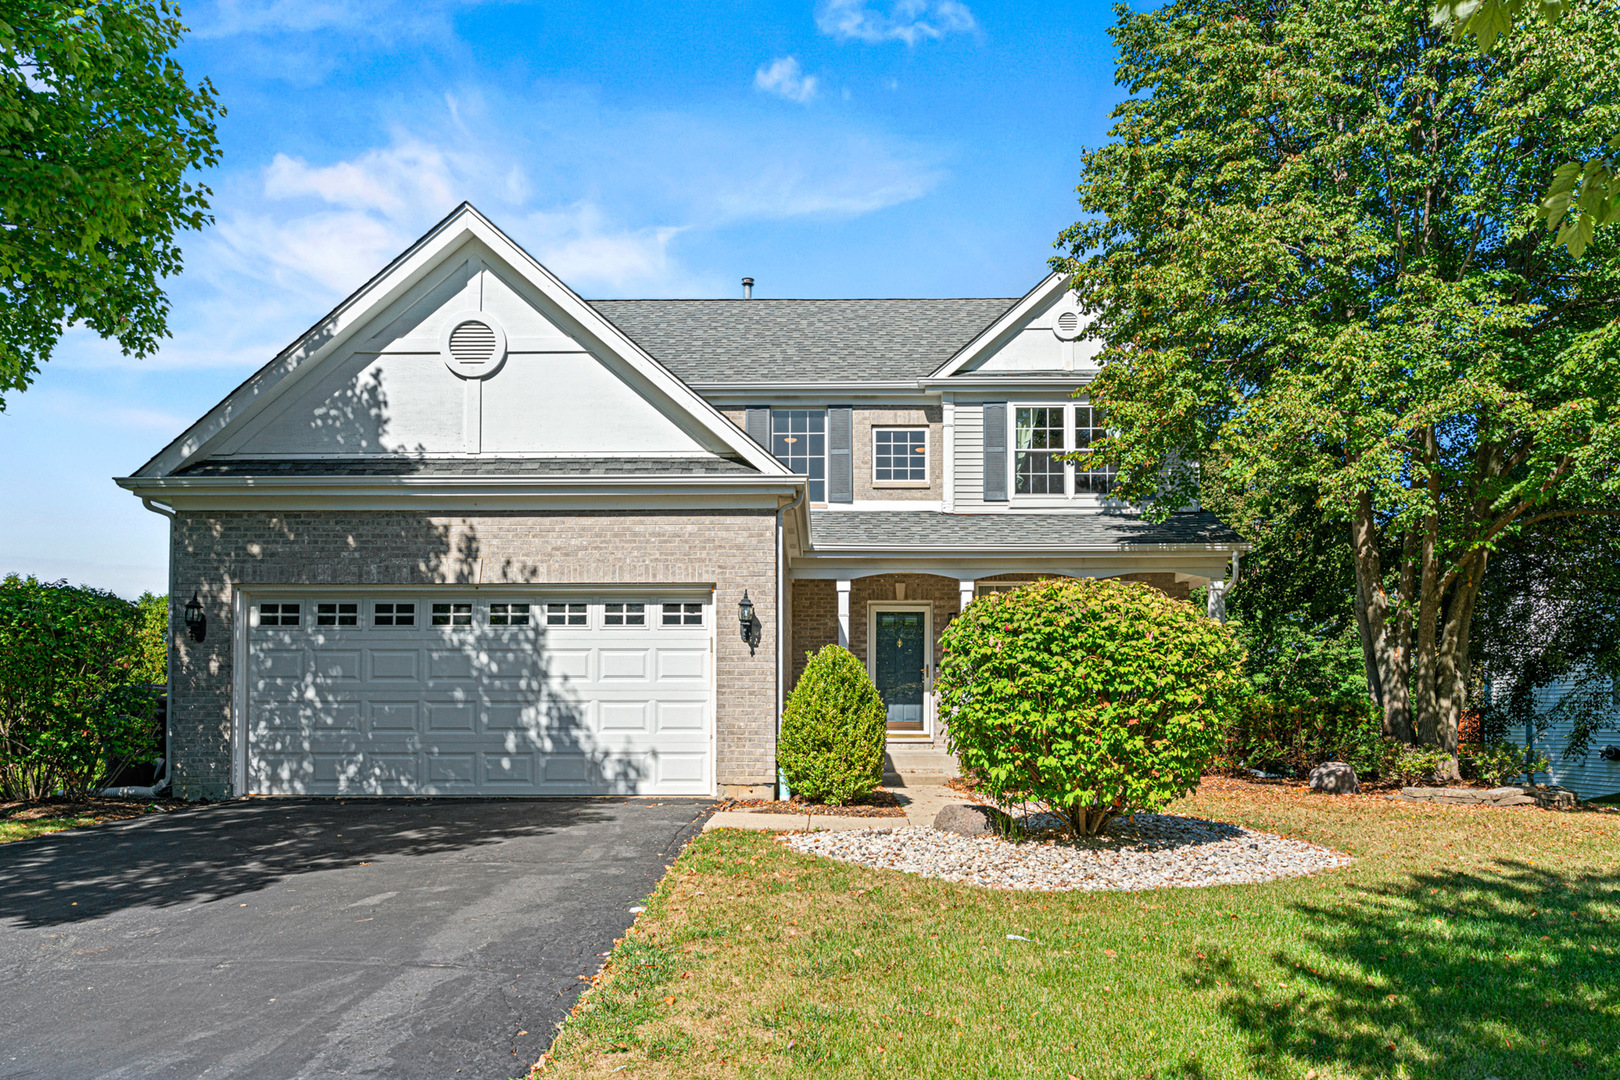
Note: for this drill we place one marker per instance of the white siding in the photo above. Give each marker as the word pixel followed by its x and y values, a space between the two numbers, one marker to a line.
pixel 1589 778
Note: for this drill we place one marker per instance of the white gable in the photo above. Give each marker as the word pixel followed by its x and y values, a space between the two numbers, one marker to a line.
pixel 376 376
pixel 391 391
pixel 1041 333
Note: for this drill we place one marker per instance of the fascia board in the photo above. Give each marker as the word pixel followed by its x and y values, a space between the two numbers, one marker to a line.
pixel 856 551
pixel 285 493
pixel 593 324
pixel 1020 311
pixel 801 387
pixel 326 336
pixel 1074 379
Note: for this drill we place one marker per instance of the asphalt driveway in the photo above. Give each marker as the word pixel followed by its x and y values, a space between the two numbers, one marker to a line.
pixel 279 939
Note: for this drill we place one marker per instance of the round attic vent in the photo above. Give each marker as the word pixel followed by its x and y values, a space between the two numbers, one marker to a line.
pixel 473 346
pixel 1067 325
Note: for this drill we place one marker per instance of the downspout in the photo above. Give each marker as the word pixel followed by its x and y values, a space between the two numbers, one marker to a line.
pixel 161 782
pixel 781 628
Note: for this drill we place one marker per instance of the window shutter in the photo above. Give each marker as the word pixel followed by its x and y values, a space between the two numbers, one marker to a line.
pixel 757 422
pixel 840 467
pixel 995 451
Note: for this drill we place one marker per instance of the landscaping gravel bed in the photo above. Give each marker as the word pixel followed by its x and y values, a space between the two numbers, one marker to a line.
pixel 1155 851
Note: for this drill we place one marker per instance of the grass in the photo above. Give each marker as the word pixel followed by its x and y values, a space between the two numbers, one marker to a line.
pixel 23 820
pixel 1463 942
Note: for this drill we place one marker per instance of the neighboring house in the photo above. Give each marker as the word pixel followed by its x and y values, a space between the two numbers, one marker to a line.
pixel 1593 776
pixel 471 534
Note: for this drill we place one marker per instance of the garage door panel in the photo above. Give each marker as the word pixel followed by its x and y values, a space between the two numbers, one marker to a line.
pixel 450 664
pixel 509 770
pixel 285 663
pixel 619 716
pixel 621 664
pixel 682 715
pixel 450 769
pixel 450 715
pixel 683 665
pixel 469 710
pixel 565 665
pixel 389 665
pixel 395 715
pixel 336 666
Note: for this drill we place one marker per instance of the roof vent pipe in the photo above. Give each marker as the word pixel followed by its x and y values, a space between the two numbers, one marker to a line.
pixel 748 288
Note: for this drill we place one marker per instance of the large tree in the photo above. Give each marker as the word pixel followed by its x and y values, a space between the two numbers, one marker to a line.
pixel 1311 249
pixel 99 130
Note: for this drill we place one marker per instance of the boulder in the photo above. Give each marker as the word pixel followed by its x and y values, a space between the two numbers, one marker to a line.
pixel 1335 778
pixel 970 819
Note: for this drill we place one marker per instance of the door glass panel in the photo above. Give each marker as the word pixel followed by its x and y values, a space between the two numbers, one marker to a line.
pixel 900 662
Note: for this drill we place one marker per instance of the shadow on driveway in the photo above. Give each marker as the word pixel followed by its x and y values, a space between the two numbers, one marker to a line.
pixel 316 938
pixel 219 851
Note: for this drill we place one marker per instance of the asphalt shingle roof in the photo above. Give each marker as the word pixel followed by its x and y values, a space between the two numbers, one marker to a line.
pixel 890 529
pixel 429 467
pixel 706 342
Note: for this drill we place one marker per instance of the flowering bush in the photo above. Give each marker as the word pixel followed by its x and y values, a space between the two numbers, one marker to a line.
pixel 1091 697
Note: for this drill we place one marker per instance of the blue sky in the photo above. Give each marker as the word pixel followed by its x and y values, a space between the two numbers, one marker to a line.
pixel 825 147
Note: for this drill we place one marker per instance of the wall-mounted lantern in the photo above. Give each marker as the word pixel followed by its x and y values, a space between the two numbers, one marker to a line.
pixel 747 623
pixel 196 619
pixel 1610 753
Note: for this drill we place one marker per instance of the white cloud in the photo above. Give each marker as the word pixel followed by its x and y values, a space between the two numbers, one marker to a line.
pixel 909 21
pixel 784 78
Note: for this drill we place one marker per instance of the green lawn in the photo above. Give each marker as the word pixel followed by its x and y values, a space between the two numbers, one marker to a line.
pixel 1465 943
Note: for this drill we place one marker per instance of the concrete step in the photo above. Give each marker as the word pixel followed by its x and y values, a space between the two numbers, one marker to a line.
pixel 921 767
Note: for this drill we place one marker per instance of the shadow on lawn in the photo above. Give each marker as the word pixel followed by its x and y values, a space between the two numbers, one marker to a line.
pixel 1511 972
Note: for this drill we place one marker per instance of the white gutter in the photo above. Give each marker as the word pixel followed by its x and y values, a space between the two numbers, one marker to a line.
pixel 162 781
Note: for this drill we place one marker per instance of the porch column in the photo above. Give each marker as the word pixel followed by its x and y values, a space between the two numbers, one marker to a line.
pixel 967 593
pixel 1217 601
pixel 843 613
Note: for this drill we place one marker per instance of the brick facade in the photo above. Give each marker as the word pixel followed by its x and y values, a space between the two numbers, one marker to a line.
pixel 218 553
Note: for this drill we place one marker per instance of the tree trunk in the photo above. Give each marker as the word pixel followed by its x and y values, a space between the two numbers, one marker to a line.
pixel 1385 633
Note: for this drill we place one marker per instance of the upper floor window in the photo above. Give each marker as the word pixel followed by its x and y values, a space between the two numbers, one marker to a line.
pixel 1042 434
pixel 799 441
pixel 899 455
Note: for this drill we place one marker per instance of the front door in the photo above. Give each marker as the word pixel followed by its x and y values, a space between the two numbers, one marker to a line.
pixel 901 663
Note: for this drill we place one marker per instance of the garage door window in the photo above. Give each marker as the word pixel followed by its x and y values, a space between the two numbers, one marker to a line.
pixel 683 614
pixel 565 614
pixel 395 614
pixel 337 614
pixel 452 614
pixel 625 615
pixel 278 614
pixel 509 614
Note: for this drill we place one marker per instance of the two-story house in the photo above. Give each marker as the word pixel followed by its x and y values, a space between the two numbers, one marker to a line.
pixel 472 534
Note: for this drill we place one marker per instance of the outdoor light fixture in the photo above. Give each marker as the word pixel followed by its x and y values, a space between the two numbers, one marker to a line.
pixel 196 620
pixel 747 623
pixel 1610 753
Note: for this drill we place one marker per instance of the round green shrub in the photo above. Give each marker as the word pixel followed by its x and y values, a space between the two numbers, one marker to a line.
pixel 1092 697
pixel 831 746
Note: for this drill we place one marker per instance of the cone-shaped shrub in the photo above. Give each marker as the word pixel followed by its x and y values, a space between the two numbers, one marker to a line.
pixel 831 748
pixel 1092 697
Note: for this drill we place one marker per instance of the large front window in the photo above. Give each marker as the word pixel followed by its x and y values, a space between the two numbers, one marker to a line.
pixel 799 441
pixel 1042 436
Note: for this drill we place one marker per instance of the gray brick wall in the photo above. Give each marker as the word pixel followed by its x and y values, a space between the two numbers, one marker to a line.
pixel 217 553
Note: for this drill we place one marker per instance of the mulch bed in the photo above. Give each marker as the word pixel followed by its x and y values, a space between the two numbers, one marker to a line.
pixel 100 809
pixel 879 804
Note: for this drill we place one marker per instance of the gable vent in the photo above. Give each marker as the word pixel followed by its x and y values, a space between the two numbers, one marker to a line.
pixel 1068 325
pixel 472 343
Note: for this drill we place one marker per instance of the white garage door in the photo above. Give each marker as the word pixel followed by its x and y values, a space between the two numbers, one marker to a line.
pixel 462 694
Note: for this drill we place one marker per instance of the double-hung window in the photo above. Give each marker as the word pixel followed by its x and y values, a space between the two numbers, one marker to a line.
pixel 1042 436
pixel 799 441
